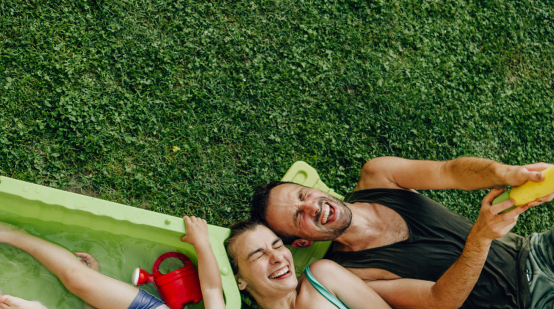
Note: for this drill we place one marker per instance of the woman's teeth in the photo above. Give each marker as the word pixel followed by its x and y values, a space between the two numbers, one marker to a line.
pixel 279 273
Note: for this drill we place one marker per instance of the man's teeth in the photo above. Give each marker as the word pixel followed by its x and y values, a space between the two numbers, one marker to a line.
pixel 325 215
pixel 279 273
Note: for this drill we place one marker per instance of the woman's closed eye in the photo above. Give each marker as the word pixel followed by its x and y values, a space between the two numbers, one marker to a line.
pixel 278 244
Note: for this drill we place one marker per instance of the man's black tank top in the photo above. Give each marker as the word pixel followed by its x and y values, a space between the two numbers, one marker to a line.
pixel 437 238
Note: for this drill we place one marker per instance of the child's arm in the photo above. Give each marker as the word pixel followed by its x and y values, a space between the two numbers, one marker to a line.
pixel 208 270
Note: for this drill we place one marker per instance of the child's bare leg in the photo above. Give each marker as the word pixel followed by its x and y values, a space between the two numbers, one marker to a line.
pixel 94 288
pixel 89 261
pixel 19 303
pixel 11 302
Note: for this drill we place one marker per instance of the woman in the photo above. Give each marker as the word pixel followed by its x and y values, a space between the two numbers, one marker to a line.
pixel 264 267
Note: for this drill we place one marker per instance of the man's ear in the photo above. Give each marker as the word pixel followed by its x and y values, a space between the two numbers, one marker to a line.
pixel 301 243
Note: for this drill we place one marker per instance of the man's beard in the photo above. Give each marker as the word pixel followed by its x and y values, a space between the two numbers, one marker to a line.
pixel 343 222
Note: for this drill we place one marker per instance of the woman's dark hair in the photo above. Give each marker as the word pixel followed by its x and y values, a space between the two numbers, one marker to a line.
pixel 238 229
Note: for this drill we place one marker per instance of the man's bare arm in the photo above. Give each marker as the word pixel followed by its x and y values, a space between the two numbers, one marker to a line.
pixel 461 173
pixel 455 285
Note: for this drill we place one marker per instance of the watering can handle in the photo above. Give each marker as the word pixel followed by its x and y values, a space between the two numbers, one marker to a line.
pixel 155 269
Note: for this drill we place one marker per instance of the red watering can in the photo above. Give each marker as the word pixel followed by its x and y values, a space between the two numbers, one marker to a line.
pixel 176 288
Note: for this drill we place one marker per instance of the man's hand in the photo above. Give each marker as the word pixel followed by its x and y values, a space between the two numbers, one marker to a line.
pixel 197 231
pixel 517 175
pixel 492 223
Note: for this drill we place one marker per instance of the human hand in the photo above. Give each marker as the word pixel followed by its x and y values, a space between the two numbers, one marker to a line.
pixel 517 175
pixel 197 231
pixel 541 200
pixel 492 223
pixel 536 185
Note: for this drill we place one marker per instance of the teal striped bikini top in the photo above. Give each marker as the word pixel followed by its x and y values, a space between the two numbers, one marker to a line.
pixel 322 290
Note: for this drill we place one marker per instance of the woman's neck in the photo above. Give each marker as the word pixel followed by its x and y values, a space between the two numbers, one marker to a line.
pixel 286 301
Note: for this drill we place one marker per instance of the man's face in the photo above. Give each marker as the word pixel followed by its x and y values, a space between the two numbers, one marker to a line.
pixel 306 213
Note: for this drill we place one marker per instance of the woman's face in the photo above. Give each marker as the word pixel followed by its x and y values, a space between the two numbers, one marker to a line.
pixel 265 264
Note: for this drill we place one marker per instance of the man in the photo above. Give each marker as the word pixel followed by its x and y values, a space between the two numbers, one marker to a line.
pixel 388 235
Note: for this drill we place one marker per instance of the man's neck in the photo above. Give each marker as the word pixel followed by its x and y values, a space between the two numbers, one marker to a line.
pixel 370 228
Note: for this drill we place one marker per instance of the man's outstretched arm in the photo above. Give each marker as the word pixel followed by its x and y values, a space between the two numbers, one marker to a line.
pixel 462 173
pixel 455 285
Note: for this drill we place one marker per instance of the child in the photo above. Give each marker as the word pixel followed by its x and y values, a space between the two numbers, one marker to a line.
pixel 100 291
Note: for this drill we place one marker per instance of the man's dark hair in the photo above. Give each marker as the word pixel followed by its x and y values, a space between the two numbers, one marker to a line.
pixel 259 208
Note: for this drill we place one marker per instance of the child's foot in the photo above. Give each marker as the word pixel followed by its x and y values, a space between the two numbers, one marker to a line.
pixel 8 231
pixel 11 302
pixel 88 260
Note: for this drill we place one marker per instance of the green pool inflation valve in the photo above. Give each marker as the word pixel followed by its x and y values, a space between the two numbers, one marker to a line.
pixel 530 190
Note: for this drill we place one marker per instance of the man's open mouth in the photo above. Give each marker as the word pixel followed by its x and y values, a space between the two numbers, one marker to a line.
pixel 281 273
pixel 328 214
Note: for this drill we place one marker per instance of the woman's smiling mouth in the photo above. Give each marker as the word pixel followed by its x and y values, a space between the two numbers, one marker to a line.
pixel 280 274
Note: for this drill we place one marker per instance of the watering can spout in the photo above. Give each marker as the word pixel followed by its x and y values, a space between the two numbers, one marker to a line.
pixel 141 277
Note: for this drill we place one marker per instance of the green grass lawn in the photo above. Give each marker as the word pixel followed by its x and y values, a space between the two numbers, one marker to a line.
pixel 95 95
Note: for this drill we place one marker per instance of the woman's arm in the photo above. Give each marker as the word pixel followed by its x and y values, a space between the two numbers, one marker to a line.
pixel 208 270
pixel 347 287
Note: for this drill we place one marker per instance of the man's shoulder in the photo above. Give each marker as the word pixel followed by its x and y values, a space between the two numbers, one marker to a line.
pixel 377 173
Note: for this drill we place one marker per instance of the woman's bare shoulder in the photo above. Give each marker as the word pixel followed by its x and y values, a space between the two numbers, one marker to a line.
pixel 323 268
pixel 326 273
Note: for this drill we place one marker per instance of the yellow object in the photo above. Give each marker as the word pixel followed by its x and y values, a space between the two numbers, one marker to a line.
pixel 531 191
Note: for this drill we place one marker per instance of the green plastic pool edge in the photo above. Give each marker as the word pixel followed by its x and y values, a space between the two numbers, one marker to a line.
pixel 24 199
